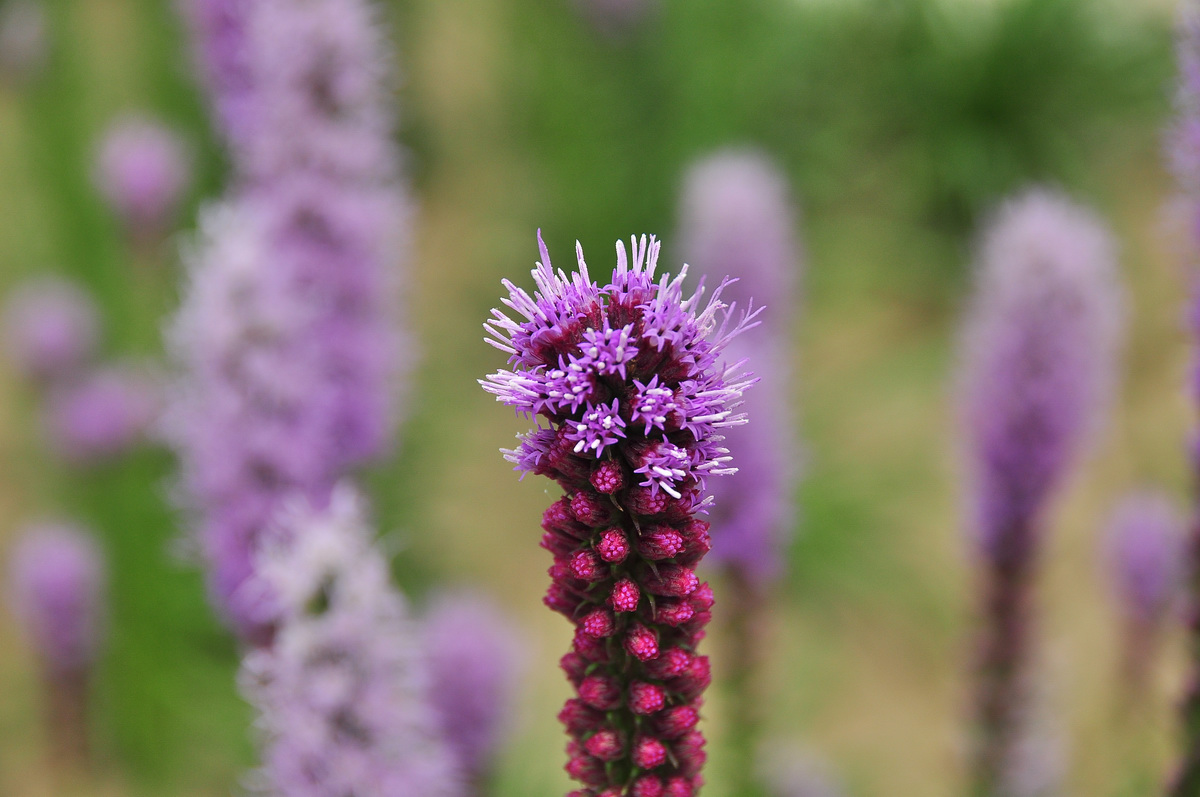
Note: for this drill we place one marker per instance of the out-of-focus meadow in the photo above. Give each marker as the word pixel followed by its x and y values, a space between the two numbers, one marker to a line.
pixel 899 124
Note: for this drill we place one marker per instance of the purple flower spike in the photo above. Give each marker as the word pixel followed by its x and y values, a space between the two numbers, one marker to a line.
pixel 56 574
pixel 625 536
pixel 341 691
pixel 219 36
pixel 473 661
pixel 287 336
pixel 737 218
pixel 1146 555
pixel 142 169
pixel 1038 362
pixel 103 414
pixel 50 328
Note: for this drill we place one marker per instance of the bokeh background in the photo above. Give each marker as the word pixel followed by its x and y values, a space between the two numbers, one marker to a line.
pixel 899 124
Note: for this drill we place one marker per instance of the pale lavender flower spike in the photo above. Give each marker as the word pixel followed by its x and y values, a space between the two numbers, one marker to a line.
pixel 103 413
pixel 1039 357
pixel 1146 555
pixel 218 29
pixel 474 662
pixel 56 583
pixel 342 691
pixel 1037 368
pixel 737 219
pixel 50 328
pixel 142 169
pixel 287 335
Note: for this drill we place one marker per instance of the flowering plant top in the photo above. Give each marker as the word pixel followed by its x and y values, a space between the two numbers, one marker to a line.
pixel 633 362
pixel 631 384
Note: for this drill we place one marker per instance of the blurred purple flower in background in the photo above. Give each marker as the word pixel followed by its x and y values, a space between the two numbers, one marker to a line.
pixel 56 591
pixel 737 219
pixel 1146 555
pixel 142 169
pixel 342 691
pixel 56 582
pixel 792 771
pixel 50 328
pixel 287 335
pixel 22 40
pixel 1039 358
pixel 103 413
pixel 474 657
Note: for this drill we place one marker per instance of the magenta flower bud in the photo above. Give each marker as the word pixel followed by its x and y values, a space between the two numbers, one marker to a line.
pixel 673 581
pixel 660 542
pixel 676 721
pixel 679 787
pixel 600 692
pixel 103 414
pixel 613 546
pixel 587 566
pixel 641 642
pixel 689 750
pixel 606 744
pixel 57 576
pixel 473 664
pixel 575 666
pixel 599 624
pixel 737 217
pixel 648 753
pixel 625 596
pixel 579 717
pixel 628 375
pixel 648 786
pixel 50 328
pixel 646 698
pixel 142 170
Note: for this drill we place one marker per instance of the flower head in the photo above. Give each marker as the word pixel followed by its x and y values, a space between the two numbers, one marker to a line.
pixel 1039 355
pixel 56 577
pixel 1146 555
pixel 737 219
pixel 633 448
pixel 142 169
pixel 102 414
pixel 50 328
pixel 473 661
pixel 341 692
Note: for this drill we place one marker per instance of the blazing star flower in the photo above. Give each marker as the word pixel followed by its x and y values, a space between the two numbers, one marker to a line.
pixel 56 577
pixel 50 328
pixel 473 663
pixel 287 335
pixel 737 219
pixel 1037 367
pixel 142 169
pixel 625 536
pixel 341 691
pixel 103 414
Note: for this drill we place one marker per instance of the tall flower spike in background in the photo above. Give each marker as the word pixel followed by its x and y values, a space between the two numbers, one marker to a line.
pixel 342 692
pixel 287 336
pixel 474 658
pixel 632 385
pixel 1184 153
pixel 1038 363
pixel 51 329
pixel 736 219
pixel 56 578
pixel 1145 558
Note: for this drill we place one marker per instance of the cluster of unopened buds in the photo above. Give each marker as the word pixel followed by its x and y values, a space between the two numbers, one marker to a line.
pixel 628 378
